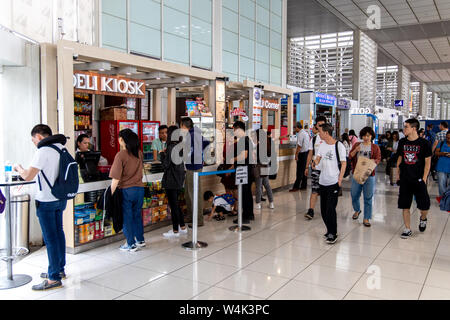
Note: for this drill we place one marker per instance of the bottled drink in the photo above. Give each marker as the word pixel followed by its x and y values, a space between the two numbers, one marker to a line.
pixel 8 171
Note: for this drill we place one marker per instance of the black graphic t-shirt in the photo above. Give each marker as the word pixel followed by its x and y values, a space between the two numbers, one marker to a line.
pixel 413 155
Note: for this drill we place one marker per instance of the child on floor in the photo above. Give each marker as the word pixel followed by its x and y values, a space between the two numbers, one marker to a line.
pixel 224 203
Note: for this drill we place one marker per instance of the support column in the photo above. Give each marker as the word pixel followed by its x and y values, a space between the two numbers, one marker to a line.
pixel 404 78
pixel 443 112
pixel 423 105
pixel 49 87
pixel 171 106
pixel 434 105
pixel 290 114
pixel 157 106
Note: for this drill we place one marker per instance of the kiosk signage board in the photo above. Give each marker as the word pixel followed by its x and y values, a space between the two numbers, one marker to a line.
pixel 325 99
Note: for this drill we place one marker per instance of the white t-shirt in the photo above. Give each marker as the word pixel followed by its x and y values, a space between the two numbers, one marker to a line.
pixel 303 140
pixel 46 159
pixel 316 145
pixel 221 202
pixel 328 166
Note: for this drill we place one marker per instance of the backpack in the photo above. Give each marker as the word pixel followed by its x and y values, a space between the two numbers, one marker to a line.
pixel 348 167
pixel 228 198
pixel 67 182
pixel 445 201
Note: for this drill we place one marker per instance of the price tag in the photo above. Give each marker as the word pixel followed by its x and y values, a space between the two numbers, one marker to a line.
pixel 241 175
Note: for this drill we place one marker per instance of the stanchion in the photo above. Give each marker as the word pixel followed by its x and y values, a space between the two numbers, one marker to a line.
pixel 240 227
pixel 195 244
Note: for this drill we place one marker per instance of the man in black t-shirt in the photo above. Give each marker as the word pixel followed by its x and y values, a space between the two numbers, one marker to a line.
pixel 414 161
pixel 244 157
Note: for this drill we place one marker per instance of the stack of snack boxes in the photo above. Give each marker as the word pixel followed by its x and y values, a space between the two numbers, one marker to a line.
pixel 88 223
pixel 155 208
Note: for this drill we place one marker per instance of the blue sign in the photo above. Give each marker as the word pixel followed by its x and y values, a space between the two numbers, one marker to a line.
pixel 325 99
pixel 297 98
pixel 284 101
pixel 399 103
pixel 343 104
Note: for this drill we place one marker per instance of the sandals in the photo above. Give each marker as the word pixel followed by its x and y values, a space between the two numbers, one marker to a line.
pixel 356 215
pixel 366 224
pixel 219 218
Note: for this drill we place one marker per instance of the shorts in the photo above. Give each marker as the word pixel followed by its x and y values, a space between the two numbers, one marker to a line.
pixel 315 175
pixel 408 189
pixel 220 209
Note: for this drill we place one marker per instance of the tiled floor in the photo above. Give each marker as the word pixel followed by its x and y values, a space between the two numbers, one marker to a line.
pixel 282 257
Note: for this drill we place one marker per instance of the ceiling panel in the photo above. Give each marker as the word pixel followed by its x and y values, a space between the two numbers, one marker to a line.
pixel 421 76
pixel 410 50
pixel 426 49
pixel 432 75
pixel 443 74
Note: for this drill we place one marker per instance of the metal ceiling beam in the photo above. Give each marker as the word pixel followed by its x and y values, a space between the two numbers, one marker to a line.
pixel 429 66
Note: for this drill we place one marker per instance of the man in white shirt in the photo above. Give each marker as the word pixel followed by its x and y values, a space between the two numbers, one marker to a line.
pixel 301 155
pixel 48 208
pixel 401 135
pixel 314 145
pixel 327 161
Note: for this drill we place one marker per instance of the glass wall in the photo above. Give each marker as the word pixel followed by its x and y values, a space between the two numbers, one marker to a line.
pixel 252 40
pixel 178 31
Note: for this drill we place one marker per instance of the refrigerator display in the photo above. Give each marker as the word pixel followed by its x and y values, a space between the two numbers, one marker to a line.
pixel 109 136
pixel 148 133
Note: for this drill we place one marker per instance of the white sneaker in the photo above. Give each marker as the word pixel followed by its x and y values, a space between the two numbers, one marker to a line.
pixel 258 206
pixel 271 205
pixel 181 231
pixel 171 234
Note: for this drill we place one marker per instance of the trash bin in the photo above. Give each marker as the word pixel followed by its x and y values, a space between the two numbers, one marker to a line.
pixel 20 217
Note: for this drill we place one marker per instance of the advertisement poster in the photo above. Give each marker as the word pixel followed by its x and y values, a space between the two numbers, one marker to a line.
pixel 257 108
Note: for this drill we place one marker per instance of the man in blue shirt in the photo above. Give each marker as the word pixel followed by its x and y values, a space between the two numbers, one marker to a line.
pixel 193 163
pixel 429 134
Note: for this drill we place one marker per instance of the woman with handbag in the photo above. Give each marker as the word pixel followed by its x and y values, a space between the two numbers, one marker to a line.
pixel 173 182
pixel 368 150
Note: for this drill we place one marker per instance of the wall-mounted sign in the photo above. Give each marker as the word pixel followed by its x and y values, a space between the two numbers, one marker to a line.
pixel 360 111
pixel 270 104
pixel 284 101
pixel 296 97
pixel 257 105
pixel 101 84
pixel 325 99
pixel 220 91
pixel 399 103
pixel 343 104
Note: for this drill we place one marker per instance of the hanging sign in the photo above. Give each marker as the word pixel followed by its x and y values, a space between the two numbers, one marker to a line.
pixel 325 99
pixel 94 83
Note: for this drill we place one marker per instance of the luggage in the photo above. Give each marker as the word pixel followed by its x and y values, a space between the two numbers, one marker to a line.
pixel 393 175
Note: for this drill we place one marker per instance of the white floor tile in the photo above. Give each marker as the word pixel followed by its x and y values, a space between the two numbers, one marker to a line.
pixel 223 294
pixel 355 296
pixel 253 283
pixel 387 289
pixel 296 290
pixel 84 291
pixel 291 251
pixel 438 278
pixel 170 288
pixel 163 262
pixel 345 261
pixel 277 266
pixel 400 271
pixel 357 249
pixel 433 293
pixel 329 277
pixel 126 279
pixel 420 259
pixel 234 258
pixel 205 272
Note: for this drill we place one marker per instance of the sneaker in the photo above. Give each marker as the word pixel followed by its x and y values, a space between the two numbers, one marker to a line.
pixel 422 225
pixel 325 236
pixel 271 205
pixel 406 234
pixel 44 275
pixel 45 285
pixel 171 234
pixel 140 244
pixel 258 206
pixel 310 215
pixel 181 231
pixel 126 247
pixel 331 239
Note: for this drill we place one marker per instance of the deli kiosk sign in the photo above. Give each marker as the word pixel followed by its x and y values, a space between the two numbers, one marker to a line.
pixel 101 84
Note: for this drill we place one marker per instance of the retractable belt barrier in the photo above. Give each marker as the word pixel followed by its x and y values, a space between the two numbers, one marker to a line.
pixel 195 244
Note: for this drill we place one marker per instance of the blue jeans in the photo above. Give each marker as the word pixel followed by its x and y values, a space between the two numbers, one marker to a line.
pixel 368 189
pixel 132 201
pixel 50 216
pixel 443 181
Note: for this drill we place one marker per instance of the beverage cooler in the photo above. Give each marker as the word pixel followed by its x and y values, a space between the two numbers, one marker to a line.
pixel 109 136
pixel 148 131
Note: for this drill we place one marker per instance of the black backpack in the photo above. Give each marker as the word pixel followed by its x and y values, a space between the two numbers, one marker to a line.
pixel 348 166
pixel 67 182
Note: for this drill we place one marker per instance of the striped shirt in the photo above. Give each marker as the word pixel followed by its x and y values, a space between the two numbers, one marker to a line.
pixel 440 136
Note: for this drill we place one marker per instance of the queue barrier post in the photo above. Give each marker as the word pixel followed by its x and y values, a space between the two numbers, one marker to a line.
pixel 195 244
pixel 239 227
